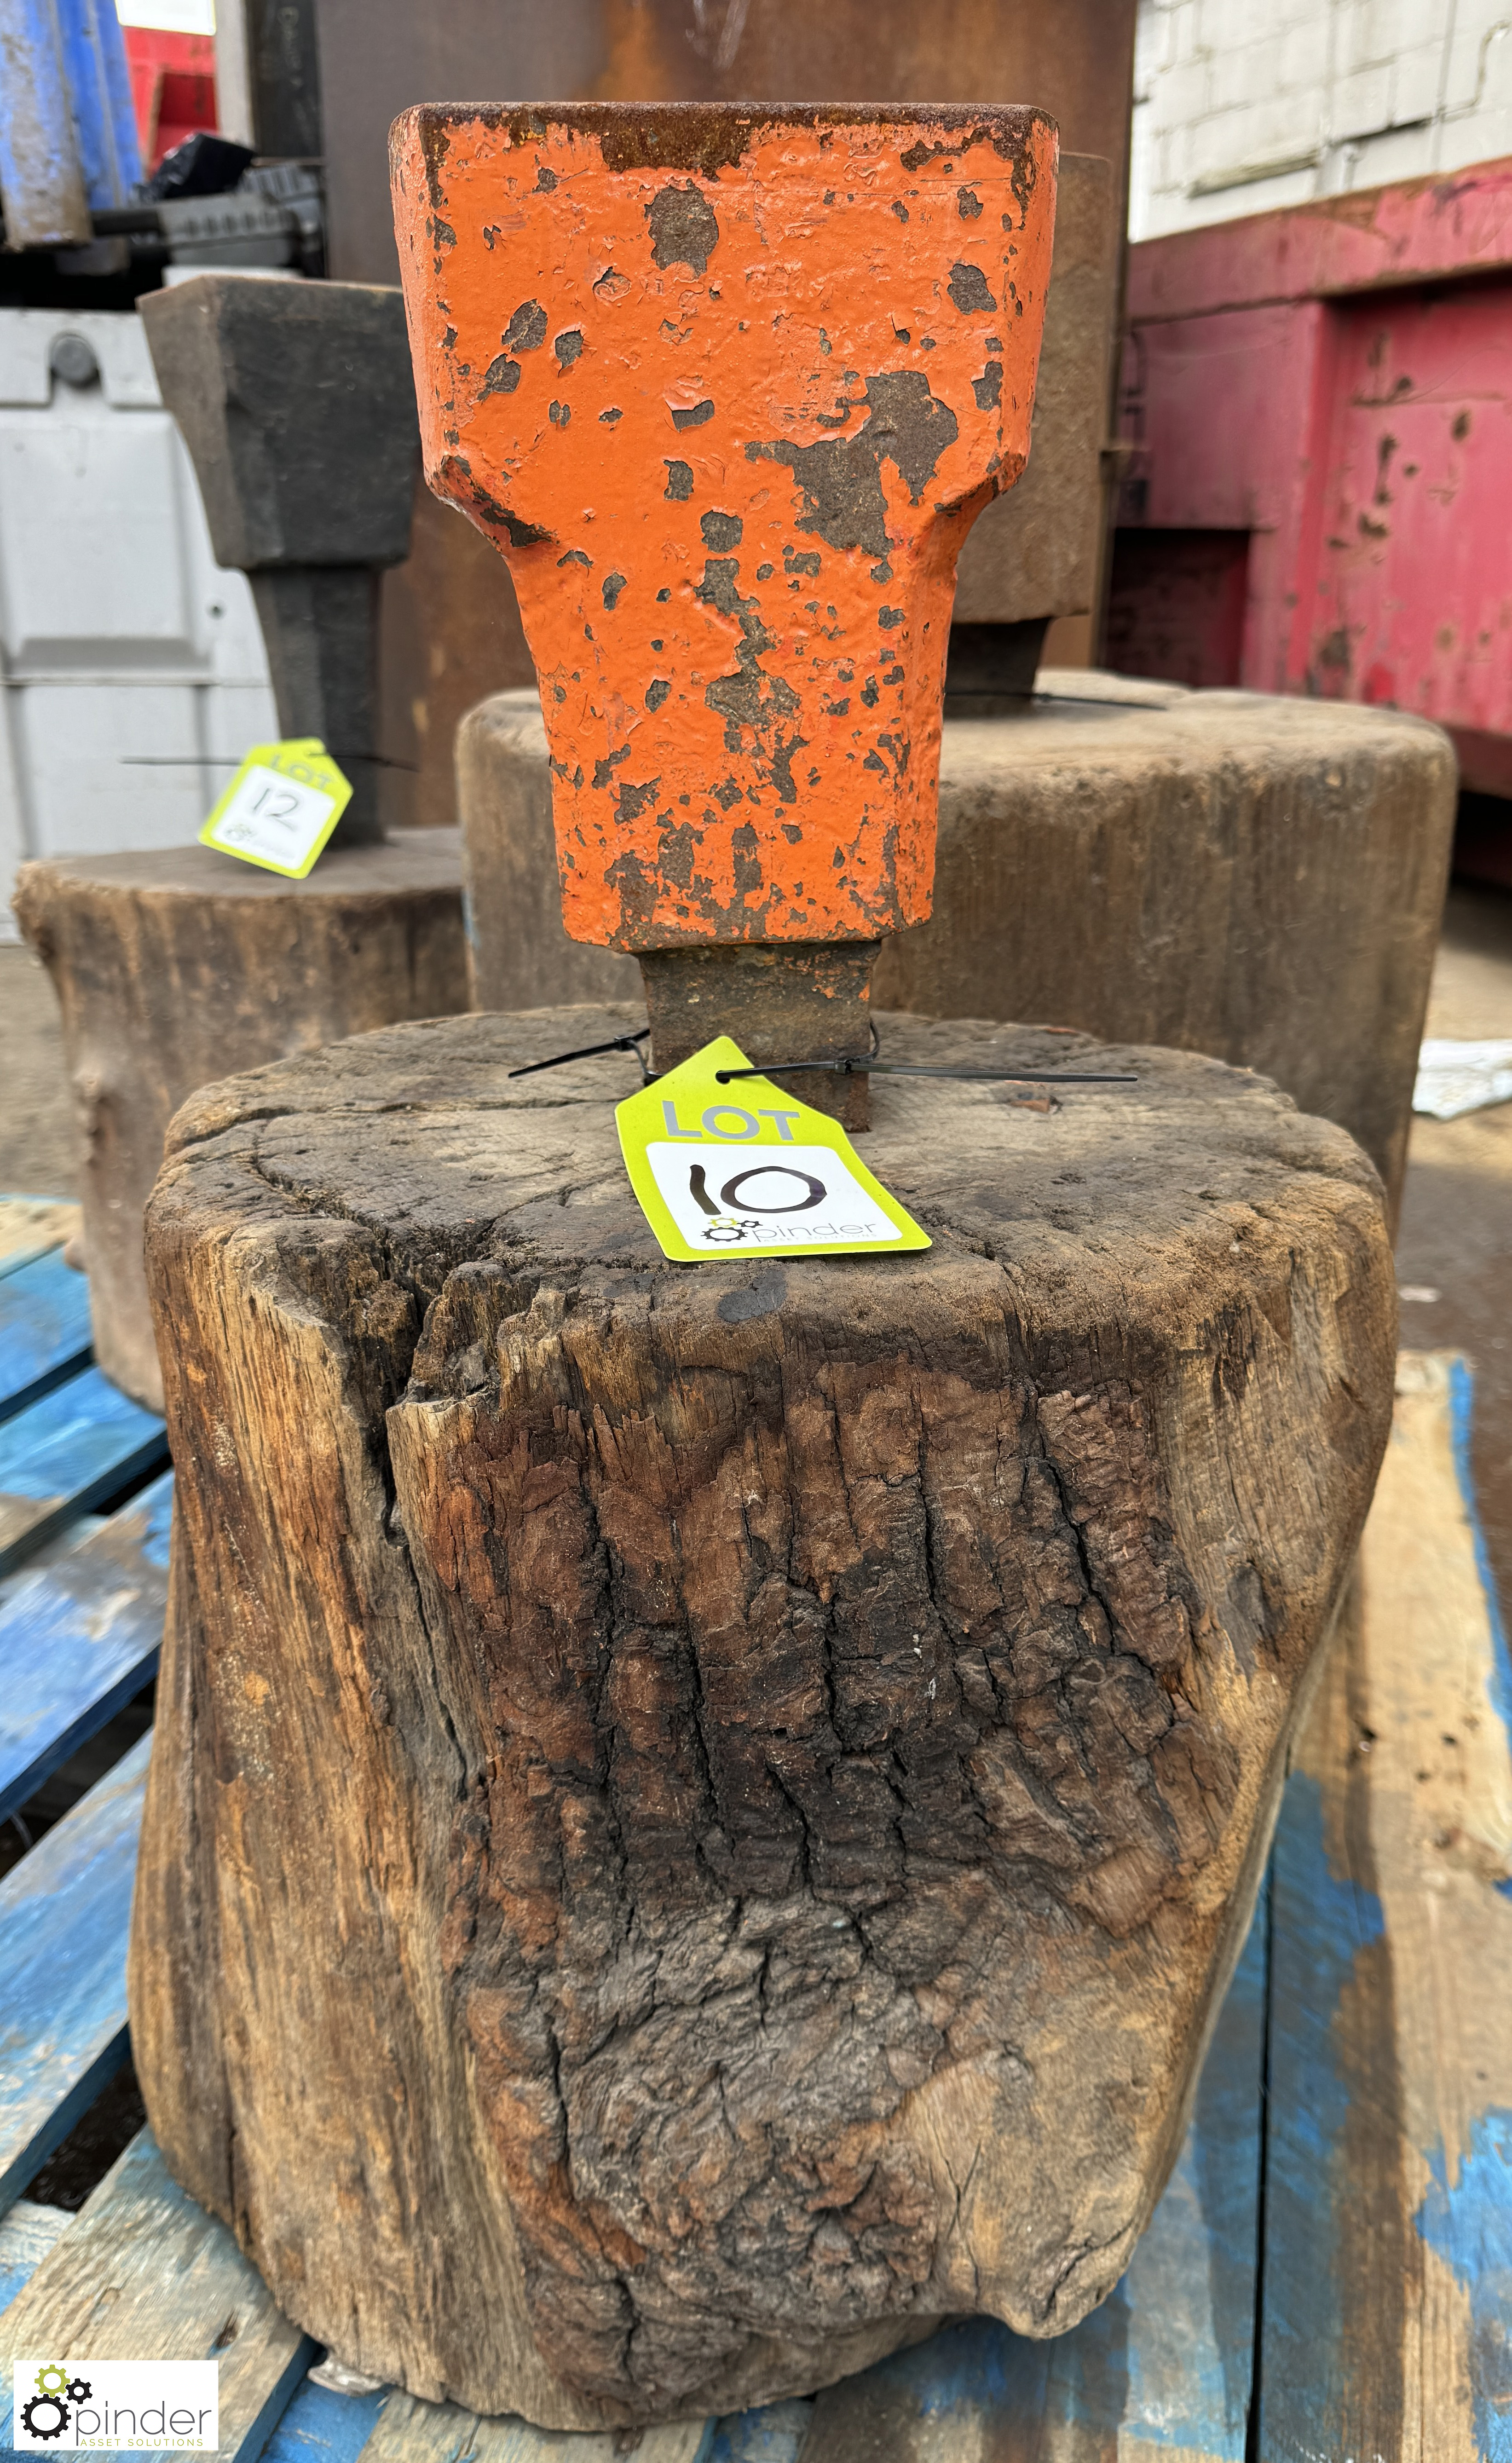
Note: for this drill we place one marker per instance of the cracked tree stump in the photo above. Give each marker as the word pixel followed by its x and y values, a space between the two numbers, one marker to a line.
pixel 700 1817
pixel 174 964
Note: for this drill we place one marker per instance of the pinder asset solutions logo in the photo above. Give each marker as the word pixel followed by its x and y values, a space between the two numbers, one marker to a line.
pixel 117 2406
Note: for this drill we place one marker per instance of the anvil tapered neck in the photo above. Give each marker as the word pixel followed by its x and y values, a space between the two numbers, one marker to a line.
pixel 781 1000
pixel 320 627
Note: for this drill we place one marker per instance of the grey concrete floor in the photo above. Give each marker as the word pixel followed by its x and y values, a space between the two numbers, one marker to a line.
pixel 1456 1236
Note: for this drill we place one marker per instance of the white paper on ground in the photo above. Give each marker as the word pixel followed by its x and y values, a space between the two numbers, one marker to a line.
pixel 1455 1077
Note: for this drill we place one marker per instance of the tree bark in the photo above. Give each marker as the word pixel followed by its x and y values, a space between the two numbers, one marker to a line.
pixel 172 967
pixel 700 1815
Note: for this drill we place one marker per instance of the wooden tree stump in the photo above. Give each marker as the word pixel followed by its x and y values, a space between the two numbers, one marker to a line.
pixel 172 967
pixel 700 1815
pixel 1230 873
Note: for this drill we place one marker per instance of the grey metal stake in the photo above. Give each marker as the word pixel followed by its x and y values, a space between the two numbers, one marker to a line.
pixel 296 402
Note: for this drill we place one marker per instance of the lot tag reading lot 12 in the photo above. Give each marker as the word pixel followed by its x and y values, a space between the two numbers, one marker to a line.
pixel 281 807
pixel 745 1168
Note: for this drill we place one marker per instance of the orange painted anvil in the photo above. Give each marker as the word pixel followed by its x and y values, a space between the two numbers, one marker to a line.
pixel 726 386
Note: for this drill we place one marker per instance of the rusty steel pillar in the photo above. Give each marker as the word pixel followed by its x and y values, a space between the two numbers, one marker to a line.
pixel 727 388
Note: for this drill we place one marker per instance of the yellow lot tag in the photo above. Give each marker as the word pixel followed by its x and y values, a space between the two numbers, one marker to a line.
pixel 744 1167
pixel 281 806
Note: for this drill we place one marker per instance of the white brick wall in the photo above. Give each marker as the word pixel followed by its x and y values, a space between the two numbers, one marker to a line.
pixel 1240 105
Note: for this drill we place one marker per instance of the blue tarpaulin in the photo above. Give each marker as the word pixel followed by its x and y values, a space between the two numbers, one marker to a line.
pixel 68 136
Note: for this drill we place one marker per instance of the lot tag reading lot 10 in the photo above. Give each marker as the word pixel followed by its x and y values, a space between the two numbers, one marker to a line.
pixel 745 1168
pixel 281 807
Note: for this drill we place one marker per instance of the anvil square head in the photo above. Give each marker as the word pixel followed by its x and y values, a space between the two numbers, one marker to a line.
pixel 296 403
pixel 726 386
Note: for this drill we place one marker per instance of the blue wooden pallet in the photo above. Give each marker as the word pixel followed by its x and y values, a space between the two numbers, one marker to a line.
pixel 63 1914
pixel 44 1329
pixel 1268 2311
pixel 83 1443
pixel 79 1637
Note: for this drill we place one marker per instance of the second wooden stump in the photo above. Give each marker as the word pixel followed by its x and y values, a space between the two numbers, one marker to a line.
pixel 173 966
pixel 1230 873
pixel 700 1817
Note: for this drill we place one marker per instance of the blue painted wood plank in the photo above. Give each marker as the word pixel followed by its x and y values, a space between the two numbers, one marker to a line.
pixel 1164 2364
pixel 1386 2285
pixel 391 2426
pixel 44 1329
pixel 63 1916
pixel 80 1444
pixel 321 2427
pixel 27 2234
pixel 78 1637
pixel 145 2274
pixel 774 2432
pixel 1191 2286
pixel 408 2431
pixel 1330 2357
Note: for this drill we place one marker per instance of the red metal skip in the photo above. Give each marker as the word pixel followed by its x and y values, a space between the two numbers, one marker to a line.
pixel 1335 382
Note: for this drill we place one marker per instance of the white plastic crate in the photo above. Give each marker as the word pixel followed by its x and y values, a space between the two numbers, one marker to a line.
pixel 132 665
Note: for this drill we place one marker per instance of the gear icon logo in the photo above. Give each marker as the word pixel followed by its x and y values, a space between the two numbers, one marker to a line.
pixel 48 2412
pixel 44 2415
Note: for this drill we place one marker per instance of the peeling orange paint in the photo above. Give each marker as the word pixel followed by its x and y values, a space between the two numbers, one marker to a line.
pixel 727 389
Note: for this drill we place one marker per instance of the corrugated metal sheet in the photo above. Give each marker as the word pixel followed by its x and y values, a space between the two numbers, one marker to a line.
pixel 68 135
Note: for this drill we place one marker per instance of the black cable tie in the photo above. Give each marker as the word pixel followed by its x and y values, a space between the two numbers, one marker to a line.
pixel 591 1052
pixel 849 1068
